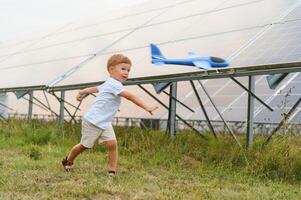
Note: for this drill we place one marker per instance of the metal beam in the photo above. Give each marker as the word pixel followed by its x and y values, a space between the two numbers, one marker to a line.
pixel 172 110
pixel 48 103
pixel 30 104
pixel 165 106
pixel 62 106
pixel 21 88
pixel 285 118
pixel 47 107
pixel 251 93
pixel 250 114
pixel 52 93
pixel 61 100
pixel 220 115
pixel 203 108
pixel 199 75
pixel 184 105
pixel 5 106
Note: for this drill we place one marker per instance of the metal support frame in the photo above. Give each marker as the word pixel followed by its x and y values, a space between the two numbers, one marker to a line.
pixel 59 99
pixel 62 107
pixel 178 101
pixel 172 110
pixel 47 107
pixel 30 104
pixel 250 114
pixel 48 103
pixel 285 118
pixel 220 115
pixel 199 75
pixel 252 93
pixel 165 106
pixel 77 108
pixel 3 118
pixel 203 108
pixel 5 106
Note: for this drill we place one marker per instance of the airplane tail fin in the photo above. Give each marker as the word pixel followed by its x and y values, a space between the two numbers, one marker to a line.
pixel 157 56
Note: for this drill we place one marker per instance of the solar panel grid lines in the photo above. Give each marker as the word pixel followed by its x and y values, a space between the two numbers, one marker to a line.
pixel 38 48
pixel 118 17
pixel 256 49
pixel 296 117
pixel 290 80
pixel 276 93
pixel 230 57
pixel 222 19
pixel 217 31
pixel 128 29
pixel 69 72
pixel 198 12
pixel 159 8
pixel 60 75
pixel 182 39
pixel 32 76
pixel 28 44
pixel 42 62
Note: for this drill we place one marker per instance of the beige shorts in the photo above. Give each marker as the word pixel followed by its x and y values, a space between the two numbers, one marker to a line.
pixel 92 133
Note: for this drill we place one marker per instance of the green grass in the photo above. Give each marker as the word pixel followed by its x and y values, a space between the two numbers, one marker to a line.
pixel 151 166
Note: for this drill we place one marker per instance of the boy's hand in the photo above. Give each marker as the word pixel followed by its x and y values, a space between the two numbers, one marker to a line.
pixel 85 92
pixel 151 109
pixel 79 97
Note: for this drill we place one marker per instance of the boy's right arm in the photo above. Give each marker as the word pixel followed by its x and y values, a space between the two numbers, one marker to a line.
pixel 84 92
pixel 136 100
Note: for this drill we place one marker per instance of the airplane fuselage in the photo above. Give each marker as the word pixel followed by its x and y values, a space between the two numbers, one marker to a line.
pixel 190 62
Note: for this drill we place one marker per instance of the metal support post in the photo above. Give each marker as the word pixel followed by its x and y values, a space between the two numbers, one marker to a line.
pixel 30 104
pixel 250 117
pixel 62 101
pixel 172 109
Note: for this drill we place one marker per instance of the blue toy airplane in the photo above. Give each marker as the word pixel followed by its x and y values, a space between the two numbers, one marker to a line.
pixel 193 59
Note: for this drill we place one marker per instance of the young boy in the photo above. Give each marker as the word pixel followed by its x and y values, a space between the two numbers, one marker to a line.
pixel 97 122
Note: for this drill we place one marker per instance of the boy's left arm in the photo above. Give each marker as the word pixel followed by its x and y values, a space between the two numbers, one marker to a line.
pixel 84 92
pixel 136 100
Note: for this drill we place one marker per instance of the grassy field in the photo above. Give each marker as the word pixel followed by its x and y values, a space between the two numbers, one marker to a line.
pixel 151 166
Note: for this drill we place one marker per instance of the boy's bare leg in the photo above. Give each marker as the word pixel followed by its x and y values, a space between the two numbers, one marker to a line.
pixel 75 151
pixel 113 154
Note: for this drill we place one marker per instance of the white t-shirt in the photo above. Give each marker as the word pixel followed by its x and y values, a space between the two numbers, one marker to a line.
pixel 106 104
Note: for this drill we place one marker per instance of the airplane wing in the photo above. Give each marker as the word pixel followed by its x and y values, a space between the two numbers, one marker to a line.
pixel 202 64
pixel 157 62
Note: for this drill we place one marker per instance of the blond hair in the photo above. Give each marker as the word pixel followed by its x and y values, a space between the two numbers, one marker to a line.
pixel 117 59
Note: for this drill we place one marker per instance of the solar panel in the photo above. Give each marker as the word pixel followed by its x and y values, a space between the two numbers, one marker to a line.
pixel 172 34
pixel 34 74
pixel 279 44
pixel 247 32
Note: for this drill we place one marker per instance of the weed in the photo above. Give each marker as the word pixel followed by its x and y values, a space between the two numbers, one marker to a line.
pixel 35 154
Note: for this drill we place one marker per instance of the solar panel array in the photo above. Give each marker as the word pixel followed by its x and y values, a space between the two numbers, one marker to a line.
pixel 246 32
